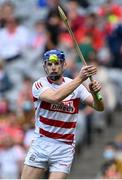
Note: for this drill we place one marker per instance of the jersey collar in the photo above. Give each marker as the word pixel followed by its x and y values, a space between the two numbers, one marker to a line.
pixel 51 82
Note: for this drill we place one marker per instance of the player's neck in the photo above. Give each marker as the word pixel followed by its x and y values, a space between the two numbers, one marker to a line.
pixel 59 81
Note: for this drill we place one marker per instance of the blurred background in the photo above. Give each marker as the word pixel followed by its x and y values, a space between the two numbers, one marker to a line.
pixel 27 29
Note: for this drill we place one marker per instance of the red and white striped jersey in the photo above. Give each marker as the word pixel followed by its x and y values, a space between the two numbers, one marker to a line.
pixel 57 121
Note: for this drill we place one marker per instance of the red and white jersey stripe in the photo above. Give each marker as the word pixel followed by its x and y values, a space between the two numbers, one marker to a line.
pixel 57 121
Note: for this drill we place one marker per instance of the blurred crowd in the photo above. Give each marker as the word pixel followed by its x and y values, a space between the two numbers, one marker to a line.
pixel 111 167
pixel 29 28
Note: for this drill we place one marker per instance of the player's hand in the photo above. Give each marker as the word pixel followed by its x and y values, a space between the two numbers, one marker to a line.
pixel 87 71
pixel 95 86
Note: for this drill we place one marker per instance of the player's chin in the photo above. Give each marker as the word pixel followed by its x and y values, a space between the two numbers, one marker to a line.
pixel 55 77
pixel 54 74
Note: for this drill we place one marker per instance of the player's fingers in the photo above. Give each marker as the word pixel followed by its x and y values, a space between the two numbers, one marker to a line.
pixel 95 86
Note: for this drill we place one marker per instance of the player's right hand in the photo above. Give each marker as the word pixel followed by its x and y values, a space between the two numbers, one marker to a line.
pixel 87 71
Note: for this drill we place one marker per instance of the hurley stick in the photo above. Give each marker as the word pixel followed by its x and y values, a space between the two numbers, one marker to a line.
pixel 65 20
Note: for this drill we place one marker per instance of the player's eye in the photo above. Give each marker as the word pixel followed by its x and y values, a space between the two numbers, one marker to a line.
pixel 56 63
pixel 49 64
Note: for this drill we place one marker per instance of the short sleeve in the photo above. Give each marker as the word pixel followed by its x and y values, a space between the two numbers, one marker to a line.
pixel 83 93
pixel 37 89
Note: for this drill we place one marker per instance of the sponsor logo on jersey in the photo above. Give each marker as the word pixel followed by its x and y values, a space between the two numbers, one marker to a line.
pixel 64 107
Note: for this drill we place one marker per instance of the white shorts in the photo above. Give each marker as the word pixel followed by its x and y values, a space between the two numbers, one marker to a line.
pixel 49 153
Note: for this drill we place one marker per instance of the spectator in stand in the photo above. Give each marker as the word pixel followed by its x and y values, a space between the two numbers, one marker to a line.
pixel 118 141
pixel 111 13
pixel 92 28
pixel 115 44
pixel 11 158
pixel 109 152
pixel 76 19
pixel 110 170
pixel 14 38
pixel 109 8
pixel 13 128
pixel 53 29
pixel 25 99
pixel 29 134
pixel 84 3
pixel 113 152
pixel 4 105
pixel 77 22
pixel 39 38
pixel 5 82
pixel 7 9
pixel 24 103
pixel 52 5
pixel 87 49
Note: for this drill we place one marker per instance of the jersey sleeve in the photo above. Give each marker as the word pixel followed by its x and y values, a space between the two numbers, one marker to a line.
pixel 83 93
pixel 37 89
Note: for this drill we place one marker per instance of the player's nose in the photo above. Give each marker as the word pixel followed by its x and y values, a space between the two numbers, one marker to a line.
pixel 53 66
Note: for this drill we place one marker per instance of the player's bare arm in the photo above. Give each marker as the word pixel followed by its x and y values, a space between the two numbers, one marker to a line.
pixel 56 96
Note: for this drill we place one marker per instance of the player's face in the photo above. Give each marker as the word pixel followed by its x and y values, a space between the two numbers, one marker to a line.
pixel 54 70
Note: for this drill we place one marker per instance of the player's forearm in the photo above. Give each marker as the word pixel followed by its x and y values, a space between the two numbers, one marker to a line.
pixel 67 89
pixel 97 104
pixel 56 96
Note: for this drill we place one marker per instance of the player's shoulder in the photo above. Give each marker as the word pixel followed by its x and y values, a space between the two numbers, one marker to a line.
pixel 40 82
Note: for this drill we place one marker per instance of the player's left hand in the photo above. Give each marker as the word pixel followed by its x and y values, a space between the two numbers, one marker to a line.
pixel 95 86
